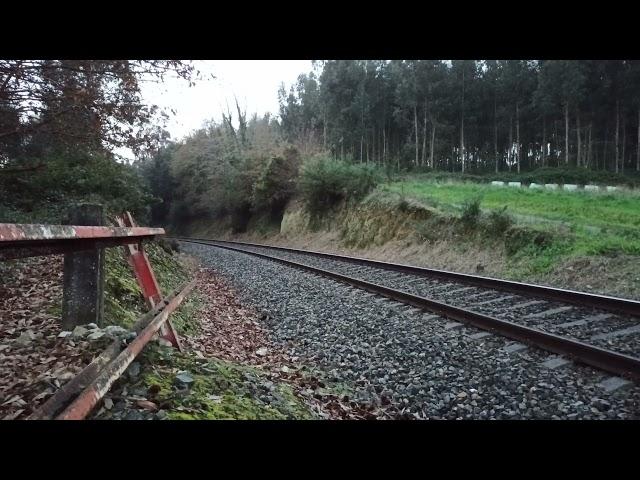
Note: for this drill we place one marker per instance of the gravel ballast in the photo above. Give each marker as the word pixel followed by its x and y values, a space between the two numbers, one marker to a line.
pixel 424 365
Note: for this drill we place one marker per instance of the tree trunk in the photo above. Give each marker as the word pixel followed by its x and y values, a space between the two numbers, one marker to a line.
pixel 495 147
pixel 590 147
pixel 373 145
pixel 462 123
pixel 495 132
pixel 384 145
pixel 424 137
pixel 579 156
pixel 324 131
pixel 624 142
pixel 544 141
pixel 566 133
pixel 415 121
pixel 617 132
pixel 518 136
pixel 433 142
pixel 510 150
pixel 366 149
pixel 638 149
pixel 604 147
pixel 555 140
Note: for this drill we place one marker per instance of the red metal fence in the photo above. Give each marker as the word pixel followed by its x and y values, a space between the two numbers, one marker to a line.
pixel 26 240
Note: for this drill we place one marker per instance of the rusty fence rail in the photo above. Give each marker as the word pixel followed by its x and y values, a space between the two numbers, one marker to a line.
pixel 30 240
pixel 83 245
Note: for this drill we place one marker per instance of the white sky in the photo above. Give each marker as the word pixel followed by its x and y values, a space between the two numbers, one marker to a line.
pixel 254 82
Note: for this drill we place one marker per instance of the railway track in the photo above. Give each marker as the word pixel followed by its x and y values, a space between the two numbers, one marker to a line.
pixel 597 330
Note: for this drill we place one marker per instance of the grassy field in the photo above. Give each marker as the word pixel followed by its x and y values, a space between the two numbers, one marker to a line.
pixel 590 223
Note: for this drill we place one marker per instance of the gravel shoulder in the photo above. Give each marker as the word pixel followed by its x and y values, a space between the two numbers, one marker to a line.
pixel 411 363
pixel 229 369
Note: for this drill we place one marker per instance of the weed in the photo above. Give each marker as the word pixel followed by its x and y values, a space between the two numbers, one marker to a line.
pixel 471 213
pixel 498 222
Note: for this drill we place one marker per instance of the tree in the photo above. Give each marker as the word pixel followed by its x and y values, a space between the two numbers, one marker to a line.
pixel 562 83
pixel 83 102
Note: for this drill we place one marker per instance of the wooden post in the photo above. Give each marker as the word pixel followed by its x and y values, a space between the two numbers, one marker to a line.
pixel 83 290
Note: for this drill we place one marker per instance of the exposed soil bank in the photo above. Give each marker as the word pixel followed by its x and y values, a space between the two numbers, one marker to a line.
pixel 421 236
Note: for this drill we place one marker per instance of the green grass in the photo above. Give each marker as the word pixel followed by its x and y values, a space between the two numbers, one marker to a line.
pixel 576 223
pixel 600 222
pixel 606 210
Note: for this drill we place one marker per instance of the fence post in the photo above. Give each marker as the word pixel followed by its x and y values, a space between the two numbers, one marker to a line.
pixel 83 283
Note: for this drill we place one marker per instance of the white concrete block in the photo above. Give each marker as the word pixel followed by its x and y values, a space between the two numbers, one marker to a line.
pixel 497 184
pixel 515 184
pixel 551 186
pixel 611 189
pixel 591 188
pixel 570 187
pixel 536 185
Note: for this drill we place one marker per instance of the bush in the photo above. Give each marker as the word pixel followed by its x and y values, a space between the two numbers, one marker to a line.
pixel 276 183
pixel 45 195
pixel 499 221
pixel 471 213
pixel 518 239
pixel 324 183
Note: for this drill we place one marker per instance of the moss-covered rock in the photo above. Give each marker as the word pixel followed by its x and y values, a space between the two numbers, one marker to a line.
pixel 220 389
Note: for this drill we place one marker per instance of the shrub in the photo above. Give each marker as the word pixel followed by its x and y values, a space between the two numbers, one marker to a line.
pixel 471 213
pixel 499 221
pixel 44 196
pixel 324 183
pixel 276 182
pixel 518 239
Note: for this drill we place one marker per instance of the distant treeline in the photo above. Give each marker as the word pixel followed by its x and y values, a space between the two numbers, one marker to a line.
pixel 465 115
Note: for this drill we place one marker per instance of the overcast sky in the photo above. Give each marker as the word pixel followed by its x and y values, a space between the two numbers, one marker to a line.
pixel 254 82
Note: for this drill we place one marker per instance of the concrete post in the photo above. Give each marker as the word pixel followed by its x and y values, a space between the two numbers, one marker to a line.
pixel 83 290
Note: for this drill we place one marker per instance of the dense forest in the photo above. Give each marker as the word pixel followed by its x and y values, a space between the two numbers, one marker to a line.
pixel 471 114
pixel 338 127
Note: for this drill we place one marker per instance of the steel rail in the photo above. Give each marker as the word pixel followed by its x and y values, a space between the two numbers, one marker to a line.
pixel 603 302
pixel 607 360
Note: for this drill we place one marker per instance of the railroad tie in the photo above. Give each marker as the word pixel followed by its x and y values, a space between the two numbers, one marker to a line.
pixel 481 294
pixel 555 362
pixel 584 321
pixel 444 287
pixel 495 300
pixel 547 313
pixel 478 336
pixel 409 310
pixel 530 303
pixel 613 383
pixel 514 347
pixel 452 325
pixel 617 333
pixel 460 290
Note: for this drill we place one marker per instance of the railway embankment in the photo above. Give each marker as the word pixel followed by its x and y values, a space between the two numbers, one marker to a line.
pixel 581 243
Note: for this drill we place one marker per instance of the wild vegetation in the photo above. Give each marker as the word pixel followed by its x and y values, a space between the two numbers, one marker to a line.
pixel 60 121
pixel 471 115
pixel 433 133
